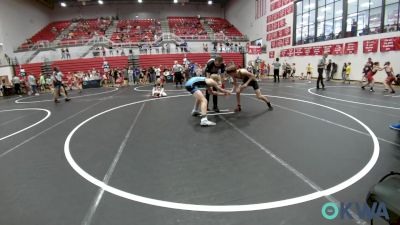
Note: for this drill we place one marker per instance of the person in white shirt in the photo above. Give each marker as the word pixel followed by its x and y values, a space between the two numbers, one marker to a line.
pixel 17 85
pixel 157 70
pixel 32 83
pixel 58 85
pixel 178 76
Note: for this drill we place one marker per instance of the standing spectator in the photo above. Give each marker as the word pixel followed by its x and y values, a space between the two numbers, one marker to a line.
pixel 250 67
pixel 177 69
pixel 293 74
pixel 309 70
pixel 334 69
pixel 110 50
pixel 33 84
pixel 104 51
pixel 284 64
pixel 62 53
pixel 68 56
pixel 344 72
pixel 17 85
pixel 58 85
pixel 328 70
pixel 276 65
pixel 42 82
pixel 262 68
pixel 136 75
pixel 198 70
pixel 321 67
pixel 3 87
pixel 158 71
pixel 348 71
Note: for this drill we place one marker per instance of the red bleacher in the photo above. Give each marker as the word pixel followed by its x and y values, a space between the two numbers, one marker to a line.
pixel 145 61
pixel 136 30
pixel 186 26
pixel 75 65
pixel 48 33
pixel 219 24
pixel 86 29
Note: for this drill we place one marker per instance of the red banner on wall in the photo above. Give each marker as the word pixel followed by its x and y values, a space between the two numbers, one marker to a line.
pixel 337 49
pixel 281 42
pixel 283 12
pixel 390 44
pixel 279 34
pixel 290 52
pixel 307 51
pixel 278 4
pixel 351 48
pixel 276 25
pixel 254 49
pixel 283 53
pixel 271 54
pixel 299 51
pixel 370 46
pixel 318 50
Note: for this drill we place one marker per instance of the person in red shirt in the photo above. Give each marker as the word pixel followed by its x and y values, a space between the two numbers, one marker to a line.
pixel 262 68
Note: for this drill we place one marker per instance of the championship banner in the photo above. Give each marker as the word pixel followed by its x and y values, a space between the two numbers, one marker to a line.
pixel 254 49
pixel 351 48
pixel 370 46
pixel 390 44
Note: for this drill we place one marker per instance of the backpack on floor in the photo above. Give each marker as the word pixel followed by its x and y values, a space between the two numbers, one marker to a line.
pixel 387 190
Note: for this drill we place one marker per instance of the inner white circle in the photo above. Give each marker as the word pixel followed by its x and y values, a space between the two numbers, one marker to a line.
pixel 18 101
pixel 26 128
pixel 224 208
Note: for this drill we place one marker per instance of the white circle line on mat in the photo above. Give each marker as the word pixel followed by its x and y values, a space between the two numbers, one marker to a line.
pixel 26 128
pixel 18 101
pixel 224 208
pixel 354 102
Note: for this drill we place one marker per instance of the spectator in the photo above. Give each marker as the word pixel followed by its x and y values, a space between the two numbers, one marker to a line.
pixel 33 84
pixel 68 56
pixel 276 65
pixel 328 70
pixel 17 85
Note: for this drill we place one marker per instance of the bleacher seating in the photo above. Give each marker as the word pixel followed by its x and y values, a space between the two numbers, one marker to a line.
pixel 186 26
pixel 75 65
pixel 48 33
pixel 142 30
pixel 222 25
pixel 86 29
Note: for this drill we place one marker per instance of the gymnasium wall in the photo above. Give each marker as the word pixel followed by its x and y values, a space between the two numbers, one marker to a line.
pixel 242 15
pixel 144 11
pixel 19 20
pixel 236 11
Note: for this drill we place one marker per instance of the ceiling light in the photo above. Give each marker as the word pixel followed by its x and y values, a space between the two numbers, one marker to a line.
pixel 63 4
pixel 140 1
pixel 210 2
pixel 175 1
pixel 101 2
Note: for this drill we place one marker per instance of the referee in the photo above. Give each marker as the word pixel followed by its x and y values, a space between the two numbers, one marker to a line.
pixel 214 66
